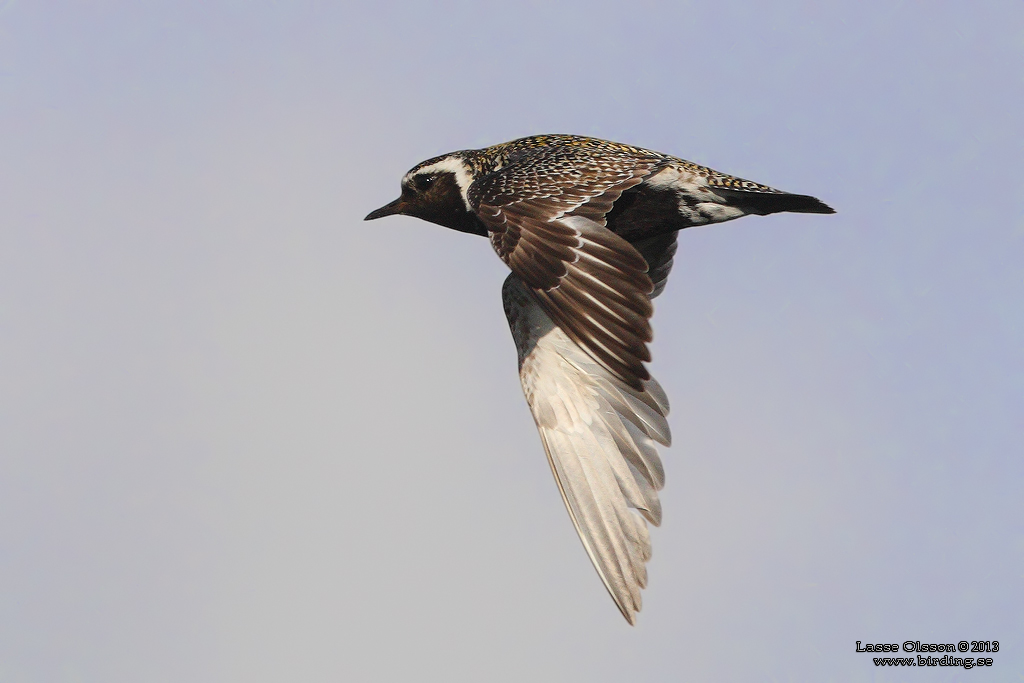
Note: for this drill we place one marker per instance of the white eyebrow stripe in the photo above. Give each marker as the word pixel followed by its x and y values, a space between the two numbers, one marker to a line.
pixel 453 165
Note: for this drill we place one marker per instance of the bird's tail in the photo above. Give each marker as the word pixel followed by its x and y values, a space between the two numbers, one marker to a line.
pixel 764 203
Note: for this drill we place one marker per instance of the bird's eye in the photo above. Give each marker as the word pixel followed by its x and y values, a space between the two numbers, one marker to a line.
pixel 423 182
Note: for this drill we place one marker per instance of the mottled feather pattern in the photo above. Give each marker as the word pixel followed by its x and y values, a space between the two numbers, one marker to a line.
pixel 490 159
pixel 589 230
pixel 593 283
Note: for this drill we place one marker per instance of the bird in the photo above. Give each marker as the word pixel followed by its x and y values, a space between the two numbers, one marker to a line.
pixel 588 228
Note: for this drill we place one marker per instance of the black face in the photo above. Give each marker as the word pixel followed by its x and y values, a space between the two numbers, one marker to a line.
pixel 434 197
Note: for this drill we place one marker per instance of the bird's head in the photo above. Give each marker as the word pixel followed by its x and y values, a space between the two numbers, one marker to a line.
pixel 437 191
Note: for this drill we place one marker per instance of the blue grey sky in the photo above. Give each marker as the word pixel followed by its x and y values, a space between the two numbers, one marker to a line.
pixel 245 436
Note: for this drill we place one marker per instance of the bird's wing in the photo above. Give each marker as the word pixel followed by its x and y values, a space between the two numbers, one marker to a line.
pixel 599 434
pixel 545 214
pixel 659 252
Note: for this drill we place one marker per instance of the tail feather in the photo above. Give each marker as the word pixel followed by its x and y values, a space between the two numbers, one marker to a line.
pixel 764 203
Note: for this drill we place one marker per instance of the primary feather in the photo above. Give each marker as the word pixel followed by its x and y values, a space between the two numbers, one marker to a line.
pixel 599 434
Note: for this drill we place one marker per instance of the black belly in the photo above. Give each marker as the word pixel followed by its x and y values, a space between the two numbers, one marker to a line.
pixel 641 213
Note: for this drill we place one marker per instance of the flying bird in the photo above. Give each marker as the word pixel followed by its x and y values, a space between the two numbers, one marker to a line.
pixel 588 228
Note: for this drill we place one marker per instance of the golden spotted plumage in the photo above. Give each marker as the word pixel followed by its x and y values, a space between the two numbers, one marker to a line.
pixel 588 228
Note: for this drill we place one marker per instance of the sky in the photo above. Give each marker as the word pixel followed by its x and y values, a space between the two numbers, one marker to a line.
pixel 246 436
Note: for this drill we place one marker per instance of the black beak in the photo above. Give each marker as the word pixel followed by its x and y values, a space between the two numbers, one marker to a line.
pixel 386 210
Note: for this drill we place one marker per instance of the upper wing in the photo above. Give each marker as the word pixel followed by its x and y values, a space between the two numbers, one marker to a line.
pixel 599 435
pixel 545 212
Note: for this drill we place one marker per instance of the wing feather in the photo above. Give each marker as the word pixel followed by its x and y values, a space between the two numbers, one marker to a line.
pixel 600 437
pixel 545 214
